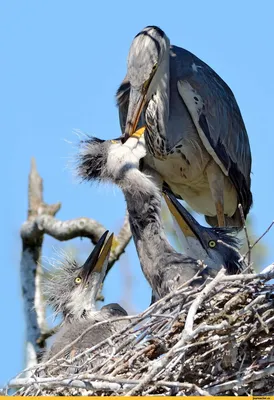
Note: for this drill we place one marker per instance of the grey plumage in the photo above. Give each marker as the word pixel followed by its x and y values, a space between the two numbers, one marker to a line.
pixel 163 267
pixel 72 291
pixel 70 331
pixel 195 134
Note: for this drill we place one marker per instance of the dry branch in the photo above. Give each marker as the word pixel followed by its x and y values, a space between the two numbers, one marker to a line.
pixel 30 268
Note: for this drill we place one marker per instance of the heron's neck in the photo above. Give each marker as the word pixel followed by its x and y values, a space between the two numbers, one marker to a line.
pixel 144 209
pixel 157 111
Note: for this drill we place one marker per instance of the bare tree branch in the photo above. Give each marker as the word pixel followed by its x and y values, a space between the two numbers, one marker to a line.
pixel 248 253
pixel 79 227
pixel 66 230
pixel 30 266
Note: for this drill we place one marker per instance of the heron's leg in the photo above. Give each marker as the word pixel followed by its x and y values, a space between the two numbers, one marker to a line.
pixel 215 178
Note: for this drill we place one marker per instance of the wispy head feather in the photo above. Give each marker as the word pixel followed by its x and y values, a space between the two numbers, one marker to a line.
pixel 228 235
pixel 92 158
pixel 58 284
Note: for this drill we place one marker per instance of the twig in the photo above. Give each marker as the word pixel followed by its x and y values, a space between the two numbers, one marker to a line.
pixel 70 229
pixel 248 277
pixel 198 301
pixel 187 335
pixel 248 253
pixel 87 381
pixel 267 230
pixel 258 240
pixel 254 376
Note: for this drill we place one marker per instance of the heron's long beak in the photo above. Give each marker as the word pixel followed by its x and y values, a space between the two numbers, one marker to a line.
pixel 136 104
pixel 188 225
pixel 97 260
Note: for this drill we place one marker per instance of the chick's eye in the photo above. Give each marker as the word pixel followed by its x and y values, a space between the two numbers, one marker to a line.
pixel 78 280
pixel 212 243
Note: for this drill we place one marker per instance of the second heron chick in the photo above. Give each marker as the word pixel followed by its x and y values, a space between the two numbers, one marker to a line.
pixel 73 291
pixel 163 267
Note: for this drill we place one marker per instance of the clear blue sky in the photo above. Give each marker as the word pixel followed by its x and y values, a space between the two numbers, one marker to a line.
pixel 61 63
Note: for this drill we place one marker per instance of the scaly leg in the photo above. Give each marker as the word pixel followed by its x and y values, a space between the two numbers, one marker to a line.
pixel 215 178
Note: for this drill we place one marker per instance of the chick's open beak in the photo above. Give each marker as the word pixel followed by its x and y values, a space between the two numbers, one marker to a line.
pixel 98 257
pixel 189 226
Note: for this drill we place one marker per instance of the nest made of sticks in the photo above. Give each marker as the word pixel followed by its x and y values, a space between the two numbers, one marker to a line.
pixel 212 340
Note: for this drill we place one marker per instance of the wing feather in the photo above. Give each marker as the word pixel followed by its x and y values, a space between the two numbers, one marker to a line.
pixel 218 120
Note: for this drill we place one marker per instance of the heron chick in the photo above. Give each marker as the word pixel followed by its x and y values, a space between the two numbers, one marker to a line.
pixel 194 131
pixel 72 291
pixel 163 267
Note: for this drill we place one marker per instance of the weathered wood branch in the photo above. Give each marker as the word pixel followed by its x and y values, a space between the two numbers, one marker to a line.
pixel 66 230
pixel 78 227
pixel 30 266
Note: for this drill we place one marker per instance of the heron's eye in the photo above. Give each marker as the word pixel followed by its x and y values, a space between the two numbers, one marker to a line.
pixel 154 68
pixel 78 280
pixel 212 243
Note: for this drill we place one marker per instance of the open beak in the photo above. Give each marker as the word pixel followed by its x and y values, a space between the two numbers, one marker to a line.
pixel 98 259
pixel 188 225
pixel 137 100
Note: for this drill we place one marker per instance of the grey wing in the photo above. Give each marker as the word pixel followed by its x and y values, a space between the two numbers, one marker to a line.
pixel 218 120
pixel 122 99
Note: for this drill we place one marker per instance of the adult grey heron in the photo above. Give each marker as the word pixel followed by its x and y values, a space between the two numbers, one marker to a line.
pixel 194 130
pixel 72 291
pixel 163 267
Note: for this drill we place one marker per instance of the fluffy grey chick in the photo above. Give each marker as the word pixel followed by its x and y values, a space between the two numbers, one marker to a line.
pixel 73 291
pixel 163 267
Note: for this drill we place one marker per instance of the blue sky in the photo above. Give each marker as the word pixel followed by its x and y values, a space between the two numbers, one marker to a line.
pixel 61 63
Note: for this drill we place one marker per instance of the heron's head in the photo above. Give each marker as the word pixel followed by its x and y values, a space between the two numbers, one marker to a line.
pixel 215 246
pixel 146 53
pixel 72 289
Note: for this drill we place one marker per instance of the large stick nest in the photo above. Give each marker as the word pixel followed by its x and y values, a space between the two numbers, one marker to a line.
pixel 214 340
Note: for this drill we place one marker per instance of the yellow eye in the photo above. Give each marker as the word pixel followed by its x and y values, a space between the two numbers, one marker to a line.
pixel 212 243
pixel 154 68
pixel 78 280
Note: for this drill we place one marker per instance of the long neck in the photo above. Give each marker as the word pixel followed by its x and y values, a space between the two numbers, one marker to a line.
pixel 157 110
pixel 144 205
